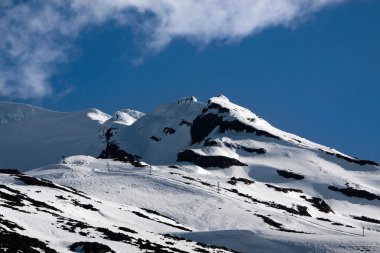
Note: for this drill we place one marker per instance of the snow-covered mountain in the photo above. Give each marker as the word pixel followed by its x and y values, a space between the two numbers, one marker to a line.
pixel 32 137
pixel 182 178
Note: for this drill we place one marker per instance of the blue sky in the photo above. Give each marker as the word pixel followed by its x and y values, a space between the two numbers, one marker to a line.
pixel 317 76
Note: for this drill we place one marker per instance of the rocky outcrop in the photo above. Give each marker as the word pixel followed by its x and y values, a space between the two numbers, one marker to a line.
pixel 352 192
pixel 112 151
pixel 208 161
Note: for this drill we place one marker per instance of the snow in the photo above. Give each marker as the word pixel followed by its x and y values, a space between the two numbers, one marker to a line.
pixel 186 195
pixel 40 137
pixel 125 117
pixel 153 124
pixel 225 219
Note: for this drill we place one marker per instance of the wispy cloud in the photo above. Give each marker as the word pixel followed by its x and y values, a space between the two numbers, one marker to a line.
pixel 37 34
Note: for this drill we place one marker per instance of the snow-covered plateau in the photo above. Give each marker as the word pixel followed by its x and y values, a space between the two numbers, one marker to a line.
pixel 187 177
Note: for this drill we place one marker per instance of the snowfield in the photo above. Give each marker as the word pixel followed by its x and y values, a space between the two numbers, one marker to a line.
pixel 188 177
pixel 32 137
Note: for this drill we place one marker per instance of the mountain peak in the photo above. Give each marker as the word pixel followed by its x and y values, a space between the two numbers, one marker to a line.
pixel 185 166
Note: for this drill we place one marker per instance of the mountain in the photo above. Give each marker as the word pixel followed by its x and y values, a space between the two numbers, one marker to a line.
pixel 188 177
pixel 32 137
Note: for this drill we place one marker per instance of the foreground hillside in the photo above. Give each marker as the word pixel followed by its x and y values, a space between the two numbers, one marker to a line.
pixel 245 215
pixel 191 175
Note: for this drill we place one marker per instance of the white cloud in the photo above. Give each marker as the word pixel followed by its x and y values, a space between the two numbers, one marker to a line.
pixel 37 34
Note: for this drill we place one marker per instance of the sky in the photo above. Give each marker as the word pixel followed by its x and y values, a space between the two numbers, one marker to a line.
pixel 308 67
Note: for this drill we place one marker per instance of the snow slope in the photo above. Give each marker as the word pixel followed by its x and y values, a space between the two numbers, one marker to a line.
pixel 31 137
pixel 217 174
pixel 160 135
pixel 246 216
pixel 38 216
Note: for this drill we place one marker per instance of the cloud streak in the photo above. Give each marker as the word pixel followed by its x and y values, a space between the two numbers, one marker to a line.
pixel 36 35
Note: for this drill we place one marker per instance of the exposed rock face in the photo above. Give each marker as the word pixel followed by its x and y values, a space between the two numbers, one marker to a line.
pixel 203 125
pixel 208 161
pixel 367 219
pixel 352 192
pixel 15 242
pixel 90 247
pixel 113 151
pixel 215 115
pixel 319 203
pixel 238 126
pixel 289 174
pixel 352 160
pixel 168 130
pixel 10 171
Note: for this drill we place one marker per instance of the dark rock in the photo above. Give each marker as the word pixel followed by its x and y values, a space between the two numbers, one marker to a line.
pixel 141 215
pixel 351 160
pixel 196 180
pixel 127 230
pixel 174 237
pixel 71 225
pixel 85 206
pixel 28 180
pixel 149 246
pixel 357 161
pixel 300 210
pixel 269 221
pixel 60 197
pixel 367 219
pixel 319 203
pixel 284 189
pixel 238 126
pixel 323 219
pixel 168 224
pixel 229 145
pixel 114 236
pixel 9 224
pixel 155 138
pixel 10 171
pixel 254 150
pixel 277 225
pixel 203 125
pixel 13 242
pixel 352 192
pixel 90 247
pixel 289 174
pixel 208 161
pixel 113 151
pixel 108 134
pixel 185 123
pixel 19 199
pixel 209 143
pixel 156 213
pixel 168 130
pixel 296 140
pixel 234 181
pixel 188 156
pixel 39 182
pixel 209 247
pixel 220 108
